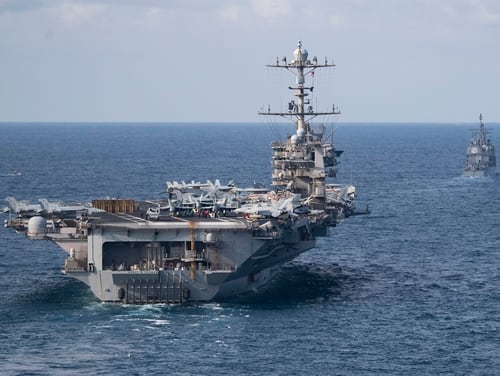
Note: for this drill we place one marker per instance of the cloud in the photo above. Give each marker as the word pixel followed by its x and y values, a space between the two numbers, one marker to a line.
pixel 70 12
pixel 230 13
pixel 487 13
pixel 19 6
pixel 271 8
pixel 75 13
pixel 14 6
pixel 175 49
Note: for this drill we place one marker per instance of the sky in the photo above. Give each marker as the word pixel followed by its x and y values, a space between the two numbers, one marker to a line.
pixel 205 60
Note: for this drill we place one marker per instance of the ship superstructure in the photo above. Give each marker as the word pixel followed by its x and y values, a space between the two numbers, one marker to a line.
pixel 307 158
pixel 205 241
pixel 480 157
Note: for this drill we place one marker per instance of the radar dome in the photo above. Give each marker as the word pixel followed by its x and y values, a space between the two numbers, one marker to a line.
pixel 37 227
pixel 300 54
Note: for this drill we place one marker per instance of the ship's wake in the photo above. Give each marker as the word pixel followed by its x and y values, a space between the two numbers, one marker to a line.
pixel 299 282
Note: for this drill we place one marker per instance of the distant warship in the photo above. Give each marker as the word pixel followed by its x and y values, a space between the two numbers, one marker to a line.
pixel 481 159
pixel 205 241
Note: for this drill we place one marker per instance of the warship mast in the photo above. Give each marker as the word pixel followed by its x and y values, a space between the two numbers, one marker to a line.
pixel 482 132
pixel 302 163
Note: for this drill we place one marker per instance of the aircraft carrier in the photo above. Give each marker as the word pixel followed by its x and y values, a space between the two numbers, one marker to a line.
pixel 206 241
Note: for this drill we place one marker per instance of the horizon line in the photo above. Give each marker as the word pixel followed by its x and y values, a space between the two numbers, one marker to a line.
pixel 116 122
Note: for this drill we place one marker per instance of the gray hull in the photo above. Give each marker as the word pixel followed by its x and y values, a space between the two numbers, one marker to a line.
pixel 480 173
pixel 182 260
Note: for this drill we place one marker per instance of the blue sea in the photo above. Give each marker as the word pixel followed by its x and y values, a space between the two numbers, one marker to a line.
pixel 411 289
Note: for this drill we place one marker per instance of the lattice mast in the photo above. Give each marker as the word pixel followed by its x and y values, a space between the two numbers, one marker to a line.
pixel 302 163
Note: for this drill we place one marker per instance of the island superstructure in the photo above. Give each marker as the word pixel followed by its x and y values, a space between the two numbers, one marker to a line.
pixel 303 163
pixel 480 156
pixel 205 241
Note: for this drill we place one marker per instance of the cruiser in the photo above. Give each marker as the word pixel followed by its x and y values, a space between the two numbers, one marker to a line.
pixel 205 241
pixel 481 159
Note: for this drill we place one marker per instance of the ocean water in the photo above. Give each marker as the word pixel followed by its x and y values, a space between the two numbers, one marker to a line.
pixel 413 288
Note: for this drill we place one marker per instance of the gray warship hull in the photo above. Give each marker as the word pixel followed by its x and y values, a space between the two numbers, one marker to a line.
pixel 479 173
pixel 126 258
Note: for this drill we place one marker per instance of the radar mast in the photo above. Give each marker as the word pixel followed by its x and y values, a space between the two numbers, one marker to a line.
pixel 302 163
